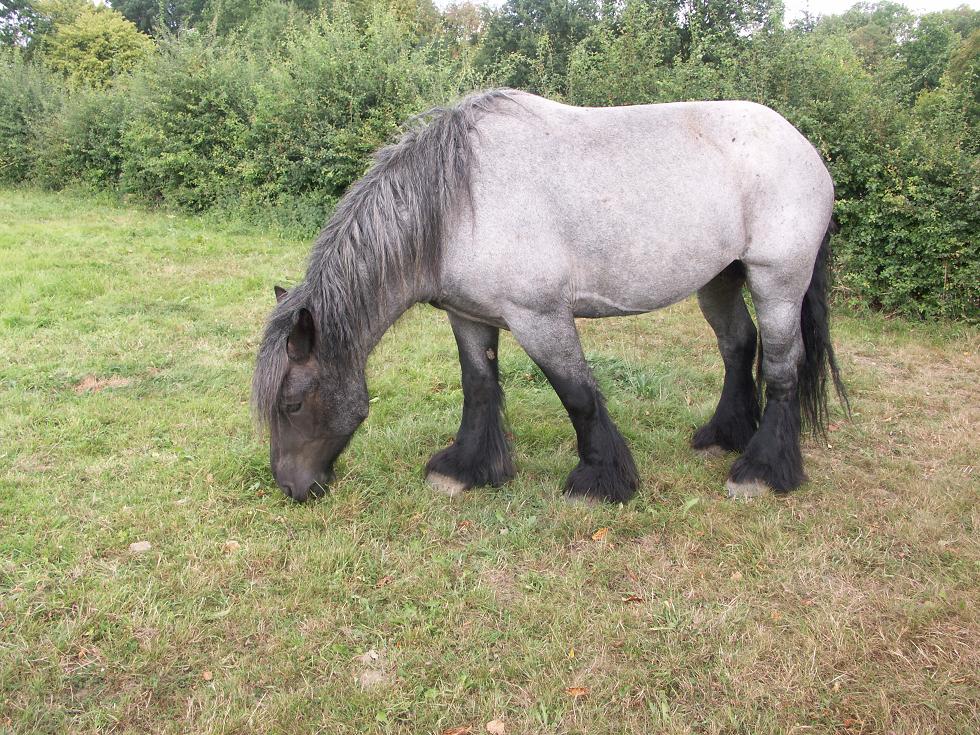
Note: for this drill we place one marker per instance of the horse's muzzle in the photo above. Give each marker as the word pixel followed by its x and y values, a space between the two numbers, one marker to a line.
pixel 304 490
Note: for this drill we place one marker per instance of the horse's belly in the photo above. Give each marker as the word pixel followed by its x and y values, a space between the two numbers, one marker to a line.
pixel 616 292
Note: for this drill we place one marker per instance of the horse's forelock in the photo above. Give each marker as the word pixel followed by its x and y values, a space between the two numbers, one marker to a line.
pixel 270 368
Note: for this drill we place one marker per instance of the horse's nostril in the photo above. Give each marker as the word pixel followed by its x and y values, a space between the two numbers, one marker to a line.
pixel 317 490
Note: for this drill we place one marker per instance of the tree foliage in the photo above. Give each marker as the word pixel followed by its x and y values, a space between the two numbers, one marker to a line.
pixel 94 46
pixel 271 104
pixel 18 21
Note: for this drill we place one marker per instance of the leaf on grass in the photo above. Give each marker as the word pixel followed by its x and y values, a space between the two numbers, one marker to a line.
pixel 140 547
pixel 462 730
pixel 691 502
pixel 633 598
pixel 207 676
pixel 383 582
pixel 600 534
pixel 736 576
pixel 577 692
pixel 230 546
pixel 496 727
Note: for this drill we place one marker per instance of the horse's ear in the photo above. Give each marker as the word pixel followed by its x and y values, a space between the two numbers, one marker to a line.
pixel 299 345
pixel 280 293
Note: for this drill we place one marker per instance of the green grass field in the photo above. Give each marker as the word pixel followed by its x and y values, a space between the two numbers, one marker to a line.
pixel 127 340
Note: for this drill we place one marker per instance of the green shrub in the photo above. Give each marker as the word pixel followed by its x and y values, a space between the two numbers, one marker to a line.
pixel 82 142
pixel 28 96
pixel 336 94
pixel 184 142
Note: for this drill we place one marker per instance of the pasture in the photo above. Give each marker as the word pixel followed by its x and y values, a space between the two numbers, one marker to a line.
pixel 127 342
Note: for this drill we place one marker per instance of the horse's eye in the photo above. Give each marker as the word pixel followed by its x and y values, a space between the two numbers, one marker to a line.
pixel 293 407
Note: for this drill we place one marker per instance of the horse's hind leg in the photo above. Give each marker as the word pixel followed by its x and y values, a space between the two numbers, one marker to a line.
pixel 773 460
pixel 480 454
pixel 606 470
pixel 737 415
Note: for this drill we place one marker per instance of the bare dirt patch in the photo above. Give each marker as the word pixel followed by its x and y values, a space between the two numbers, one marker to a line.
pixel 501 584
pixel 92 384
pixel 374 670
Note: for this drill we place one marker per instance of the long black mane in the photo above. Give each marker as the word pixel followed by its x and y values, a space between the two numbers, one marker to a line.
pixel 385 235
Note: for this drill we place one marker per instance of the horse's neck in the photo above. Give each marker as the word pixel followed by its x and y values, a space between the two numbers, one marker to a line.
pixel 378 305
pixel 394 305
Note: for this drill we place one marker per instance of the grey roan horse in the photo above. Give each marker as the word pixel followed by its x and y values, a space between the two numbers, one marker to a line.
pixel 511 211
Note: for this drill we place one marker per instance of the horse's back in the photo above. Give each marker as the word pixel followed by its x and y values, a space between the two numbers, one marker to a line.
pixel 626 209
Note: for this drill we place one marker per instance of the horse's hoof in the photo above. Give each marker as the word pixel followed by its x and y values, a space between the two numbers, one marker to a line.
pixel 444 484
pixel 746 490
pixel 711 451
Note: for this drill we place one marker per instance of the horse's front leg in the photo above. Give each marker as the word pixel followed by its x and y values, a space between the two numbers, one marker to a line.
pixel 480 454
pixel 606 470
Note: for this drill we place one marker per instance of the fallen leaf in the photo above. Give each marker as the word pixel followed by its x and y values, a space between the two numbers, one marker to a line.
pixel 139 547
pixel 496 727
pixel 383 582
pixel 736 576
pixel 633 598
pixel 464 730
pixel 577 692
pixel 231 545
pixel 207 676
pixel 464 525
pixel 775 615
pixel 600 534
pixel 571 652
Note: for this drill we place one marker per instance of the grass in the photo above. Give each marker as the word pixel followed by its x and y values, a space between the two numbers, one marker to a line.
pixel 127 340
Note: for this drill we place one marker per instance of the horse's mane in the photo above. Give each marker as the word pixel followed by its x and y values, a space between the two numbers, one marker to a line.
pixel 385 234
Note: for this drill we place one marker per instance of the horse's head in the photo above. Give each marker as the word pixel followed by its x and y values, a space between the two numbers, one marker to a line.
pixel 313 404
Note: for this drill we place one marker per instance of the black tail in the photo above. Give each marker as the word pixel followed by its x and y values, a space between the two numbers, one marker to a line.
pixel 818 359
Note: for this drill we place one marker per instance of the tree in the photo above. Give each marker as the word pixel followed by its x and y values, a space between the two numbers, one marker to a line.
pixel 95 46
pixel 18 21
pixel 462 23
pixel 160 16
pixel 543 31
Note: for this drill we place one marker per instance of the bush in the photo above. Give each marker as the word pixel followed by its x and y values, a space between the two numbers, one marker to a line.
pixel 185 139
pixel 28 96
pixel 82 141
pixel 336 94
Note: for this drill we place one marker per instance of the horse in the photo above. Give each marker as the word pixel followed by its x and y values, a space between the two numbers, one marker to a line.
pixel 511 211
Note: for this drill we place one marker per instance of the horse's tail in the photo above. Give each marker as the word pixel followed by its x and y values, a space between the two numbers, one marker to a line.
pixel 819 361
